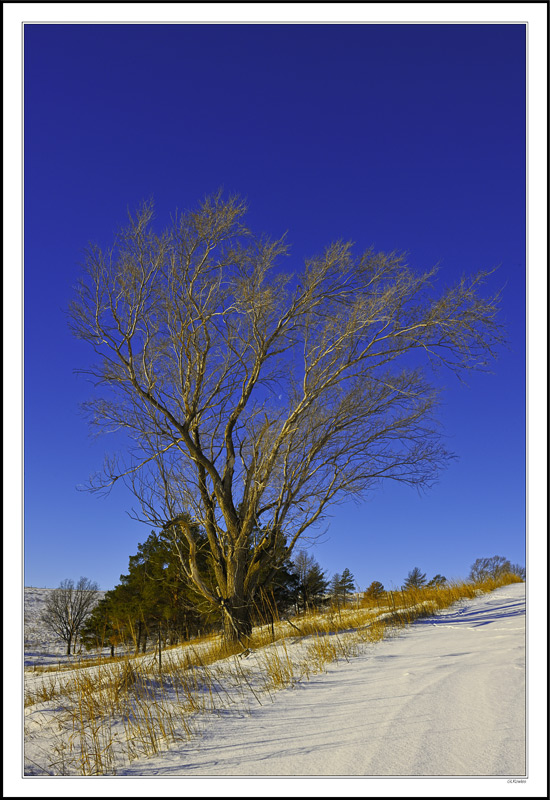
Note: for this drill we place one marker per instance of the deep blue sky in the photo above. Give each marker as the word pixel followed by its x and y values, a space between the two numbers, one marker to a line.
pixel 408 137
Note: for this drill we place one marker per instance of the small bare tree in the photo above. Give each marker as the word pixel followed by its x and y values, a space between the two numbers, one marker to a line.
pixel 493 567
pixel 67 608
pixel 254 399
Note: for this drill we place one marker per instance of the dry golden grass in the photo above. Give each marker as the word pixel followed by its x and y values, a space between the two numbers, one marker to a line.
pixel 45 692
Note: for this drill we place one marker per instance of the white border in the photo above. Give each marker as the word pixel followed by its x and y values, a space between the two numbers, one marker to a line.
pixel 274 12
pixel 535 14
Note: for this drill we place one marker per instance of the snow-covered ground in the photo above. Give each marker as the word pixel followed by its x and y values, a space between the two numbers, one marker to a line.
pixel 442 697
pixel 445 697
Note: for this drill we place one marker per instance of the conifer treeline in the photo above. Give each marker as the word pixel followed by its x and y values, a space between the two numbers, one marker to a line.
pixel 155 598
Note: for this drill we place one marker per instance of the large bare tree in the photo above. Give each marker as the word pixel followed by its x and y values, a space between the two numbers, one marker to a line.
pixel 253 398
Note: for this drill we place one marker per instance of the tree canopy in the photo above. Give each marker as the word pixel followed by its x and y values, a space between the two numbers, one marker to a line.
pixel 312 581
pixel 494 567
pixel 342 585
pixel 155 592
pixel 374 591
pixel 253 398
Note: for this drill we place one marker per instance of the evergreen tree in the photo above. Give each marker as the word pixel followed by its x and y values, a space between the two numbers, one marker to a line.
pixel 347 584
pixel 313 583
pixel 415 579
pixel 104 626
pixel 163 594
pixel 374 591
pixel 316 586
pixel 335 588
pixel 283 588
pixel 154 593
pixel 437 580
pixel 277 582
pixel 277 596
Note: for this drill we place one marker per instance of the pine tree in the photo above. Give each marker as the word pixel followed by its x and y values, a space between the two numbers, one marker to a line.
pixel 313 583
pixel 317 585
pixel 283 588
pixel 437 580
pixel 374 591
pixel 335 588
pixel 104 627
pixel 154 593
pixel 347 584
pixel 415 579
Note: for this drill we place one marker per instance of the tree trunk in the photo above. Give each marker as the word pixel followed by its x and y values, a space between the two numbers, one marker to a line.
pixel 160 650
pixel 237 623
pixel 69 647
pixel 237 606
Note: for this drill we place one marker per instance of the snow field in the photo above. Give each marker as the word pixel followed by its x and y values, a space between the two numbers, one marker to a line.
pixel 444 697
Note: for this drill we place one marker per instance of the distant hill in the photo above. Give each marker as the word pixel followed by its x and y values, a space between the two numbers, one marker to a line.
pixel 41 646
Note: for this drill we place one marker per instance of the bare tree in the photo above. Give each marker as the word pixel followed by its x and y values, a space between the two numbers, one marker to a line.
pixel 492 567
pixel 517 569
pixel 255 399
pixel 67 608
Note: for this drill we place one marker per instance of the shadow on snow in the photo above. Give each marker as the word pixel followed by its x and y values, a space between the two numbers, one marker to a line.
pixel 476 617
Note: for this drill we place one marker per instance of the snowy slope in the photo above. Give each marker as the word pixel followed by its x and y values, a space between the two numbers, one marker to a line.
pixel 443 697
pixel 446 697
